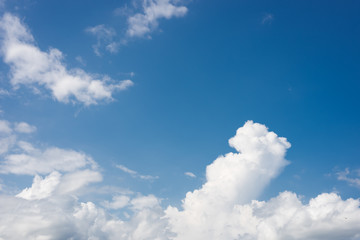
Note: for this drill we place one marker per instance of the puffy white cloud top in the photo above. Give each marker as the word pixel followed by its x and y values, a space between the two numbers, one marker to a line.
pixel 225 207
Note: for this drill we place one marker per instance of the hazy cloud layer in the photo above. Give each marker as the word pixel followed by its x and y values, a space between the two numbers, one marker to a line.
pixel 225 207
pixel 35 68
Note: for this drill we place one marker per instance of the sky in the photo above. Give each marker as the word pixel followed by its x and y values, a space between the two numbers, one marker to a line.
pixel 179 119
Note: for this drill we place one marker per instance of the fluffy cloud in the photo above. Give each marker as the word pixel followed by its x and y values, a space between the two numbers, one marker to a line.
pixel 141 24
pixel 236 178
pixel 225 207
pixel 35 68
pixel 41 188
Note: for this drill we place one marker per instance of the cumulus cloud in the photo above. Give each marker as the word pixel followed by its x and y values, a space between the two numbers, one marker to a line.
pixel 41 188
pixel 143 23
pixel 235 178
pixel 35 68
pixel 225 207
pixel 135 174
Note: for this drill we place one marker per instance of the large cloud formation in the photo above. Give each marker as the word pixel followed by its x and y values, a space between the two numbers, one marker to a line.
pixel 34 68
pixel 225 207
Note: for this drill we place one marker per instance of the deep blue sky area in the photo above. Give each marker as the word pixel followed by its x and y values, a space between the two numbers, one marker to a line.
pixel 291 65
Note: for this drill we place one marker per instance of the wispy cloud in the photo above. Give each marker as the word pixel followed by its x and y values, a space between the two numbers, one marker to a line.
pixel 80 60
pixel 346 176
pixel 105 36
pixel 135 174
pixel 267 18
pixel 29 66
pixel 4 92
pixel 143 23
pixel 190 174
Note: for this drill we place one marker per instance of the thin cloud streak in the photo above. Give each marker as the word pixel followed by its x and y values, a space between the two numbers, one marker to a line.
pixel 135 174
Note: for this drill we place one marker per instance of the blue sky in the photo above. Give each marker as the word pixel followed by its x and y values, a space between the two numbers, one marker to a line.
pixel 134 94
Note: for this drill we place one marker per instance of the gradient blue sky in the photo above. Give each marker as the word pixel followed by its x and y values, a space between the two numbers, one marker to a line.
pixel 291 65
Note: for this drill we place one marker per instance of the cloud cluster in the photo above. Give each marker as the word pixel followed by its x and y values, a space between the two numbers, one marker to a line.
pixel 225 207
pixel 34 68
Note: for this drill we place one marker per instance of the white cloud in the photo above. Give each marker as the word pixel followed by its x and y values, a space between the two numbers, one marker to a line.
pixel 144 202
pixel 41 188
pixel 117 202
pixel 34 161
pixel 190 174
pixel 21 157
pixel 344 176
pixel 24 127
pixel 34 68
pixel 135 174
pixel 236 178
pixel 74 181
pixel 223 208
pixel 143 23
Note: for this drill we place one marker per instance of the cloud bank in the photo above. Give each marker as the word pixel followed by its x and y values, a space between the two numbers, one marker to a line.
pixel 34 68
pixel 224 207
